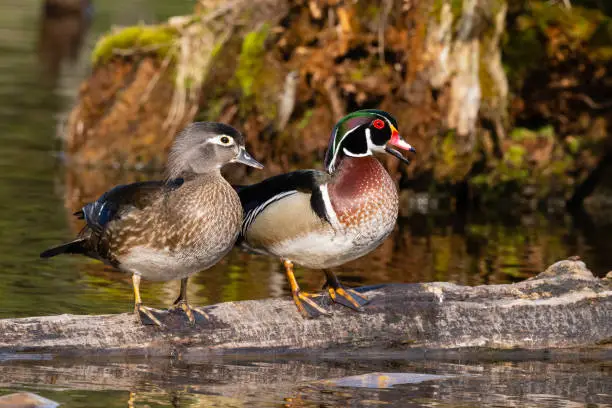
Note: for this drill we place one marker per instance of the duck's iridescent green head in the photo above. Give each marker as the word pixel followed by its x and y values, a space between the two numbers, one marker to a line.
pixel 363 133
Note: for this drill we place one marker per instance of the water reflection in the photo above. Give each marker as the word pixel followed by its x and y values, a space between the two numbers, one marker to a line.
pixel 236 382
pixel 62 29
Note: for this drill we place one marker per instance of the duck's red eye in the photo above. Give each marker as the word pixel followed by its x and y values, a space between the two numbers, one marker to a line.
pixel 378 124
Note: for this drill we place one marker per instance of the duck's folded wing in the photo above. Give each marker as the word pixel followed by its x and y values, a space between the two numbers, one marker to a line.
pixel 121 200
pixel 109 206
pixel 256 197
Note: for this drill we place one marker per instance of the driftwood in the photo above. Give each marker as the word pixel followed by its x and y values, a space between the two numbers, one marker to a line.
pixel 565 306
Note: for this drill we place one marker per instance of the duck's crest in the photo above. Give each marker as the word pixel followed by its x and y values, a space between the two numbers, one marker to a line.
pixel 346 126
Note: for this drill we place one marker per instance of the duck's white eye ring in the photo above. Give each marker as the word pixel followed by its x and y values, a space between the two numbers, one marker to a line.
pixel 225 140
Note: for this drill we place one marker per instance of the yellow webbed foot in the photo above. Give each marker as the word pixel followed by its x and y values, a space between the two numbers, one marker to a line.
pixel 146 315
pixel 348 297
pixel 307 306
pixel 189 311
pixel 343 296
pixel 304 301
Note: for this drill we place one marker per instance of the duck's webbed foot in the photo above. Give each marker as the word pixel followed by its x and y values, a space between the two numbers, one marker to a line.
pixel 306 305
pixel 147 315
pixel 189 311
pixel 344 296
pixel 181 304
pixel 303 300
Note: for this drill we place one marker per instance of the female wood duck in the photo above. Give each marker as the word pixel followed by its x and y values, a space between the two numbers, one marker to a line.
pixel 165 230
pixel 325 219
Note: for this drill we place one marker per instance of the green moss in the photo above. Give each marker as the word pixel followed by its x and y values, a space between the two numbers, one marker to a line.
pixel 371 11
pixel 356 75
pixel 449 152
pixel 519 168
pixel 547 132
pixel 520 134
pixel 579 23
pixel 250 61
pixel 560 167
pixel 452 163
pixel 480 180
pixel 515 155
pixel 305 120
pixel 159 38
pixel 528 42
pixel 488 87
pixel 506 175
pixel 456 8
pixel 573 144
pixel 216 50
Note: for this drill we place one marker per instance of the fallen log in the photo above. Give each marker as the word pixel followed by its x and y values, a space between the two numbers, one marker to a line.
pixel 565 306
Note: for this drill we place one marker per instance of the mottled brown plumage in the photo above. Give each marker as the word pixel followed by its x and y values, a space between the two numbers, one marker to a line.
pixel 181 231
pixel 166 230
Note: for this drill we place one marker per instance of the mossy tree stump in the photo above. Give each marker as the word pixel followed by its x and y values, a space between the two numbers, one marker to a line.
pixel 284 72
pixel 120 119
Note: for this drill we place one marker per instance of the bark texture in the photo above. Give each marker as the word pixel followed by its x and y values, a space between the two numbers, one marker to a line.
pixel 565 306
pixel 506 99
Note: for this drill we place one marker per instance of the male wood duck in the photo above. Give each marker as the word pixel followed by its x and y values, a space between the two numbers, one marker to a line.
pixel 324 219
pixel 171 229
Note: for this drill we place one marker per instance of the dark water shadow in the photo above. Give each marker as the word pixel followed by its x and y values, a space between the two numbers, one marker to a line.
pixel 62 30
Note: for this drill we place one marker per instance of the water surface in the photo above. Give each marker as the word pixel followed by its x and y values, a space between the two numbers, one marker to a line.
pixel 314 382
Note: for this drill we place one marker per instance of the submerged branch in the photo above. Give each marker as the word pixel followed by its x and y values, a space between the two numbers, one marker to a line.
pixel 565 306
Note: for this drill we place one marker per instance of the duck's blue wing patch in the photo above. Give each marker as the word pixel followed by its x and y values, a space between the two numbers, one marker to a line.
pixel 120 200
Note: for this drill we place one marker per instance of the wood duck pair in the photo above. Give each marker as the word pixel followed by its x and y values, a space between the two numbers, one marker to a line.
pixel 324 219
pixel 166 230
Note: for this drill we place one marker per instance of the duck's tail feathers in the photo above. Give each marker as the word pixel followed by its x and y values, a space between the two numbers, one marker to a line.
pixel 73 247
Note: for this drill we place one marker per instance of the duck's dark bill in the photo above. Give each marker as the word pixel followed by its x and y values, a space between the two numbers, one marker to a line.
pixel 396 153
pixel 245 158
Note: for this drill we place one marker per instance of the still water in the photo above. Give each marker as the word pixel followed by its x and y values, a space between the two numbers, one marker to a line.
pixel 42 62
pixel 315 383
